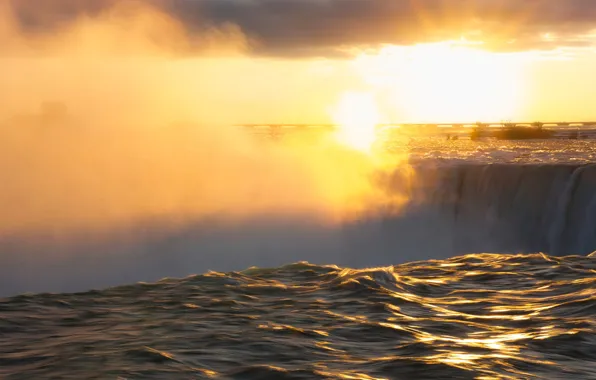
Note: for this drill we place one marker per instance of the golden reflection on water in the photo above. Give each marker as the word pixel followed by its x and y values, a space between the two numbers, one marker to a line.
pixel 497 311
pixel 473 317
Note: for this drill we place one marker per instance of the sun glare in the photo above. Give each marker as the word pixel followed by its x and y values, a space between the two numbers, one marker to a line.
pixel 357 115
pixel 445 82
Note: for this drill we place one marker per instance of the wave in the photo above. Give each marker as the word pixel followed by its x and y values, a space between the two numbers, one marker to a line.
pixel 469 317
pixel 454 210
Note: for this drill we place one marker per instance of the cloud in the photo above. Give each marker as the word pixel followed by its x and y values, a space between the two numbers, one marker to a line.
pixel 326 27
pixel 124 27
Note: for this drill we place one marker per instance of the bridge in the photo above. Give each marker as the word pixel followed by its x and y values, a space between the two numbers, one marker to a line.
pixel 556 129
pixel 556 124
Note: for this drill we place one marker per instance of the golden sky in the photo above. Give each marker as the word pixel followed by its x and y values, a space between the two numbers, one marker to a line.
pixel 297 61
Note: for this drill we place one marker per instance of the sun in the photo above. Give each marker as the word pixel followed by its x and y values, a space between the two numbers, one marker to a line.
pixel 445 82
pixel 357 116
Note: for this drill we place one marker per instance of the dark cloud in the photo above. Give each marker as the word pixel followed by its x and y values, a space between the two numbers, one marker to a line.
pixel 43 16
pixel 324 27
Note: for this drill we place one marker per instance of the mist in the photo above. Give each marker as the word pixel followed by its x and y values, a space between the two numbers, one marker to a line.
pixel 119 164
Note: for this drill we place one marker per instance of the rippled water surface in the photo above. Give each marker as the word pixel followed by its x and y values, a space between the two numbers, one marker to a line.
pixel 497 151
pixel 470 317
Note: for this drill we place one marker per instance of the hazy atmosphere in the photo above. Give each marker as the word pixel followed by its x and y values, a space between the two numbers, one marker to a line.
pixel 297 189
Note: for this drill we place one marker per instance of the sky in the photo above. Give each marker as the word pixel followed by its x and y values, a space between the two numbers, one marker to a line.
pixel 295 60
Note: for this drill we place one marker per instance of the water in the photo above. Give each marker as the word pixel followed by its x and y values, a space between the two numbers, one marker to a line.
pixel 498 151
pixel 434 308
pixel 477 316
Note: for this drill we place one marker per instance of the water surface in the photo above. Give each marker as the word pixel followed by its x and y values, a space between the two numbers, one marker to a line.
pixel 469 317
